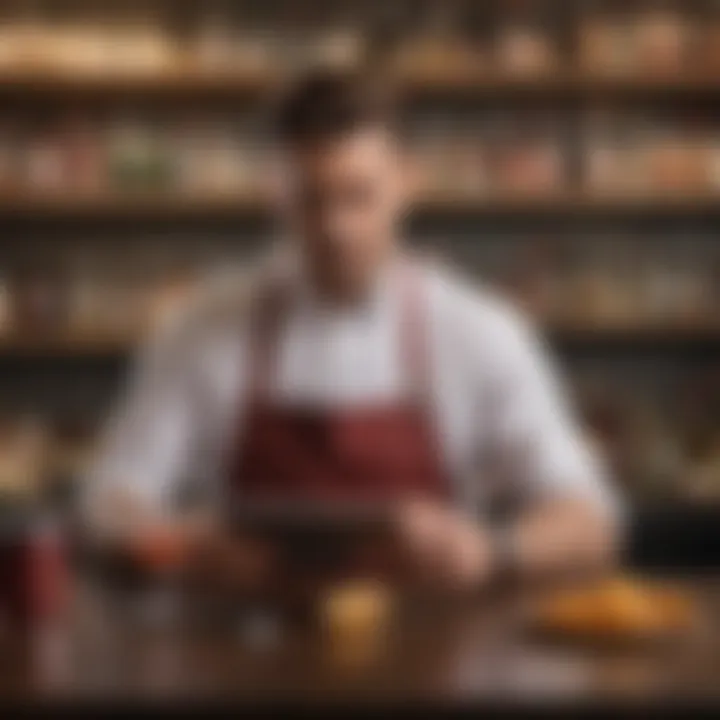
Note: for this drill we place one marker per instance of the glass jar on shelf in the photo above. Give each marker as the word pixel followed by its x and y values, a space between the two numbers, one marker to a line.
pixel 711 156
pixel 689 296
pixel 126 309
pixel 168 296
pixel 710 54
pixel 44 162
pixel 676 162
pixel 85 306
pixel 80 50
pixel 663 39
pixel 606 45
pixel 335 47
pixel 143 49
pixel 71 448
pixel 139 157
pixel 85 155
pixel 10 47
pixel 528 157
pixel 464 167
pixel 657 460
pixel 6 308
pixel 656 292
pixel 612 153
pixel 429 139
pixel 441 46
pixel 39 303
pixel 8 157
pixel 215 46
pixel 23 458
pixel 525 50
pixel 252 55
pixel 210 159
pixel 702 481
pixel 24 41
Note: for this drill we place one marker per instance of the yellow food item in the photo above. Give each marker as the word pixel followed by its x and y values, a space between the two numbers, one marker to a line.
pixel 617 608
pixel 355 618
pixel 356 608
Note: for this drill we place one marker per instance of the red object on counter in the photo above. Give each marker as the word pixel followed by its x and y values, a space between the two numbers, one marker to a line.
pixel 34 580
pixel 161 549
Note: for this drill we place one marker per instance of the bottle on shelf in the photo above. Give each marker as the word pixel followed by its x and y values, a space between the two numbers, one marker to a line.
pixel 440 48
pixel 663 40
pixel 6 308
pixel 23 458
pixel 606 45
pixel 138 156
pixel 525 42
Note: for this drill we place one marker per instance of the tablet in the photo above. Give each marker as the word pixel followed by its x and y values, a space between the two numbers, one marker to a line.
pixel 287 521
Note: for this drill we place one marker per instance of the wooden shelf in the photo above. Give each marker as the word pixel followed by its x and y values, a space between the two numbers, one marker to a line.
pixel 181 84
pixel 169 205
pixel 568 202
pixel 130 204
pixel 63 344
pixel 240 85
pixel 565 82
pixel 562 335
pixel 637 337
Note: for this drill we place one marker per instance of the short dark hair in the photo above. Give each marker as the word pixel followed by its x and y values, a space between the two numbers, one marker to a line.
pixel 325 104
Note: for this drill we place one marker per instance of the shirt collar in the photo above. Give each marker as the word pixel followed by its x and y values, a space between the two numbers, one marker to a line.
pixel 379 295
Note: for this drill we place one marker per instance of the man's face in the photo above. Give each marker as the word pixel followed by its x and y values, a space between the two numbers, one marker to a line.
pixel 343 198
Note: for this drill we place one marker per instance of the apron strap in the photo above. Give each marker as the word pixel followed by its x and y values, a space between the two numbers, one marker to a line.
pixel 414 345
pixel 269 309
pixel 267 313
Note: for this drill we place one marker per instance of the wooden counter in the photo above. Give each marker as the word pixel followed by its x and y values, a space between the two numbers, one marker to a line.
pixel 453 657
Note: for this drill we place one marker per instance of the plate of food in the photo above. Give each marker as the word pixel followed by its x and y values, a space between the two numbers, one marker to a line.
pixel 616 610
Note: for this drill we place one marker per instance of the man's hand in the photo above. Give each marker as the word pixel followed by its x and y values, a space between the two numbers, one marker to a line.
pixel 203 553
pixel 443 548
pixel 230 563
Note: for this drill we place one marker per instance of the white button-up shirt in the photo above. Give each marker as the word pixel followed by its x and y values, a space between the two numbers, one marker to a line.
pixel 504 429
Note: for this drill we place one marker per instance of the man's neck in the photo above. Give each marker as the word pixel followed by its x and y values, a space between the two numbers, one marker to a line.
pixel 338 291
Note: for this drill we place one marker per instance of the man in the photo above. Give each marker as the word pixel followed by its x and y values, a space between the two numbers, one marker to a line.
pixel 353 372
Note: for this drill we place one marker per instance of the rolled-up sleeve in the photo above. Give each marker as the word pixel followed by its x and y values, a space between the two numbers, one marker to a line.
pixel 536 445
pixel 146 444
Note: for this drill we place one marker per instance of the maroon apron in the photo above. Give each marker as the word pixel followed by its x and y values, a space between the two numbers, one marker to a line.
pixel 374 453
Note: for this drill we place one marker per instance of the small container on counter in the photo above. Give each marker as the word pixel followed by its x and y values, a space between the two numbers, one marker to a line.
pixel 34 577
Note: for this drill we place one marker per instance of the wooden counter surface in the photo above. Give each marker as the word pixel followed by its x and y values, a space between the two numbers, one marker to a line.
pixel 452 657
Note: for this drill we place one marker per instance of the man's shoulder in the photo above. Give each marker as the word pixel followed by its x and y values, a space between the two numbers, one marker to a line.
pixel 215 311
pixel 472 306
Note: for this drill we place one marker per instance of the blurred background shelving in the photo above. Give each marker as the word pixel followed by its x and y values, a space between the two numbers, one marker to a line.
pixel 568 151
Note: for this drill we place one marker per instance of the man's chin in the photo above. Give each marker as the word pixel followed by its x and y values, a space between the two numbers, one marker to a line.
pixel 344 283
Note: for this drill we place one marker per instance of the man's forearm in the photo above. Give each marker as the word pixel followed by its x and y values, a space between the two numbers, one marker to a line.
pixel 559 537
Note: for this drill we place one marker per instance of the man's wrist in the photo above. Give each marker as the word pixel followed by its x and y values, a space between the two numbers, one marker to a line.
pixel 505 557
